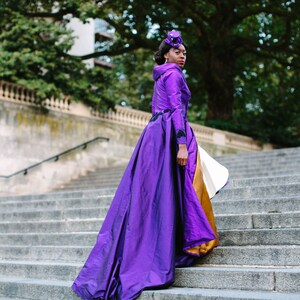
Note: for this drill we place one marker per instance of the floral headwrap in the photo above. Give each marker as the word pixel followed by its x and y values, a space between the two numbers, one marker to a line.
pixel 174 39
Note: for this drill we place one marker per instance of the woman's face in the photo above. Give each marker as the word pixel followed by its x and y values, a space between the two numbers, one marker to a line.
pixel 177 56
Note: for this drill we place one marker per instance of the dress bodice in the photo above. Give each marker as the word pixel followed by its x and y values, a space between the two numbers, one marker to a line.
pixel 171 92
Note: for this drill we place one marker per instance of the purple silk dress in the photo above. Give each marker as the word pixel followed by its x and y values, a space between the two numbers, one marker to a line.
pixel 155 216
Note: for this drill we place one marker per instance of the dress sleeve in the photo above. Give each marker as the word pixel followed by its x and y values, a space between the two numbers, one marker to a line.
pixel 173 83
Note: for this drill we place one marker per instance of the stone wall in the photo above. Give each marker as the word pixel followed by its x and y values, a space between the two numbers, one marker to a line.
pixel 29 135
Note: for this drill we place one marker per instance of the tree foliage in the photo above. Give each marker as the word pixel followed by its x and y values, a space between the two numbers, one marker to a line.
pixel 243 58
pixel 242 68
pixel 34 45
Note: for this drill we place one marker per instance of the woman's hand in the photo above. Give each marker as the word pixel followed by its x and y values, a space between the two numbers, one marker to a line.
pixel 182 155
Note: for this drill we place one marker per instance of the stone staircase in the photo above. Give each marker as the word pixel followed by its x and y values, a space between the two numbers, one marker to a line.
pixel 44 239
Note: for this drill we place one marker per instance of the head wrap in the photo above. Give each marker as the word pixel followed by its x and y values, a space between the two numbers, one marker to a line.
pixel 174 39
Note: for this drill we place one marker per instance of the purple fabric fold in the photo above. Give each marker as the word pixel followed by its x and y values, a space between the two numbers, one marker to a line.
pixel 154 216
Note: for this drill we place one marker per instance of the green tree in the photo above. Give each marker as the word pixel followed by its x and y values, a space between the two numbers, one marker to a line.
pixel 227 40
pixel 133 79
pixel 34 45
pixel 243 56
pixel 272 109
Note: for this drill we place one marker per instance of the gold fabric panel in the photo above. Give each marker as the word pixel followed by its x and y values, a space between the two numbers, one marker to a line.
pixel 203 197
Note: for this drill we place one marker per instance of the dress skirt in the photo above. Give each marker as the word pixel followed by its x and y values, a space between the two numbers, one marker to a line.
pixel 160 218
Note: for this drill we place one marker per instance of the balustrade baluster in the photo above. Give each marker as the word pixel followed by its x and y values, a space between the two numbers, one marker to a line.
pixel 13 92
pixel 4 90
pixel 56 101
pixel 61 104
pixel 22 95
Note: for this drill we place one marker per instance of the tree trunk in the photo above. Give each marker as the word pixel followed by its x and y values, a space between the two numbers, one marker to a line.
pixel 219 79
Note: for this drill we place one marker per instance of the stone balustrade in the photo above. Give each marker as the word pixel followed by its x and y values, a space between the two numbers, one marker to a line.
pixel 137 118
pixel 130 117
pixel 17 93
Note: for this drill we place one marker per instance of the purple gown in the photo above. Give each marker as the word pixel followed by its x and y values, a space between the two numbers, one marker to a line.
pixel 155 216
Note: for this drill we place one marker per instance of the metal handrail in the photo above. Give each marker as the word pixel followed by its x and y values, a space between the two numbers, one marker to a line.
pixel 54 157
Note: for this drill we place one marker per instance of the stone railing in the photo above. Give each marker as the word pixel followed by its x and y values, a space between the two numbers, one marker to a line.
pixel 17 93
pixel 126 116
pixel 137 118
pixel 129 117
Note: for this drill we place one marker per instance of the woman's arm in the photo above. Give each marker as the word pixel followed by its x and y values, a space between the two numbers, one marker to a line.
pixel 173 83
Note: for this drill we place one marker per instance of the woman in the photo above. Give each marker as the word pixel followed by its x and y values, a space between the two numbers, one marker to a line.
pixel 161 216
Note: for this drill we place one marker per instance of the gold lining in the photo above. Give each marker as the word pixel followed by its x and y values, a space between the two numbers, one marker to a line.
pixel 204 200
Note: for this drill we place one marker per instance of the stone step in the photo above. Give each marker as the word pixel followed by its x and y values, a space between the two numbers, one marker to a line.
pixel 102 193
pixel 57 239
pixel 285 169
pixel 235 170
pixel 52 226
pixel 90 218
pixel 40 269
pixel 264 160
pixel 249 160
pixel 88 183
pixel 88 186
pixel 287 152
pixel 267 255
pixel 235 181
pixel 59 195
pixel 175 293
pixel 96 179
pixel 55 214
pixel 110 171
pixel 262 173
pixel 252 205
pixel 46 253
pixel 267 166
pixel 257 221
pixel 232 165
pixel 55 208
pixel 251 237
pixel 258 192
pixel 278 171
pixel 103 177
pixel 103 174
pixel 102 200
pixel 36 289
pixel 5 298
pixel 30 205
pixel 238 237
pixel 68 195
pixel 234 221
pixel 253 157
pixel 99 185
pixel 263 181
pixel 94 183
pixel 248 175
pixel 245 278
pixel 252 165
pixel 279 153
pixel 243 174
pixel 222 255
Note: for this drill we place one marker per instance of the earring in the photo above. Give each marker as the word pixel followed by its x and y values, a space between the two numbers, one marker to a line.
pixel 166 60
